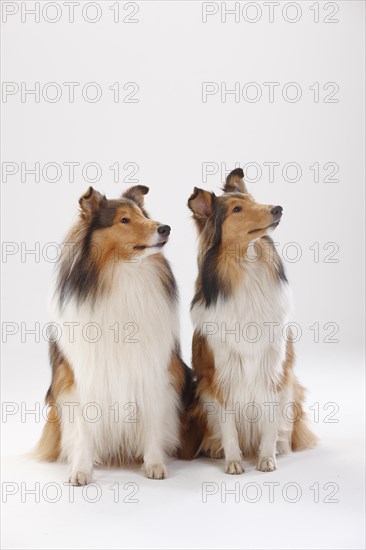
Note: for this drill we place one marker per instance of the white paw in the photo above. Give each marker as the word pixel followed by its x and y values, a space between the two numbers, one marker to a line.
pixel 80 478
pixel 266 464
pixel 234 467
pixel 155 471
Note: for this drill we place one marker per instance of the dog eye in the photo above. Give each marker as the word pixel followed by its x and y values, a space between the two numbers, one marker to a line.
pixel 237 209
pixel 125 220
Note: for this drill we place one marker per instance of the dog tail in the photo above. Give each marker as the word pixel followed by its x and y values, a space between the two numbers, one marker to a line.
pixel 49 446
pixel 192 422
pixel 302 437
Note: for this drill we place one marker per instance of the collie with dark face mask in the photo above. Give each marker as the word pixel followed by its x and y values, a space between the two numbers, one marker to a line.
pixel 117 377
pixel 248 400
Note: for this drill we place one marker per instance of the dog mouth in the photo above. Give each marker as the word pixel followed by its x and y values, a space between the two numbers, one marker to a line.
pixel 145 247
pixel 272 225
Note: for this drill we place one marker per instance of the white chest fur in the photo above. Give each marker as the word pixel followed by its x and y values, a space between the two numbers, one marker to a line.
pixel 119 350
pixel 247 332
pixel 247 335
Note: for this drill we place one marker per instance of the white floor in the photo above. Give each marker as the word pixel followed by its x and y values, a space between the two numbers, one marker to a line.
pixel 188 510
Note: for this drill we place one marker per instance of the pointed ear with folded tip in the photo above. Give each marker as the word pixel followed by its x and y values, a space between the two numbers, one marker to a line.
pixel 235 182
pixel 201 203
pixel 136 194
pixel 90 202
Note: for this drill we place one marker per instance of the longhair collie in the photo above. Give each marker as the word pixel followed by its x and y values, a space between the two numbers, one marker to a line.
pixel 248 401
pixel 118 380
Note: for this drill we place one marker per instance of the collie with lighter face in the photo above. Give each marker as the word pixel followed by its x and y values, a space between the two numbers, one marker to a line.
pixel 248 400
pixel 118 381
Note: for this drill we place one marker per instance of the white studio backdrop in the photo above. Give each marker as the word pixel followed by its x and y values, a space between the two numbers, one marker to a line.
pixel 174 95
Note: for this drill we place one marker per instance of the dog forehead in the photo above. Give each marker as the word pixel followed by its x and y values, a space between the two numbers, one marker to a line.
pixel 122 203
pixel 127 207
pixel 114 209
pixel 127 204
pixel 229 198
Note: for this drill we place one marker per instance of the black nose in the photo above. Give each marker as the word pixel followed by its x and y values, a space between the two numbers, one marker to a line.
pixel 164 230
pixel 277 210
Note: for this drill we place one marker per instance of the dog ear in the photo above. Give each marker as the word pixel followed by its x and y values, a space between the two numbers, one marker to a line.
pixel 90 202
pixel 235 182
pixel 201 203
pixel 136 194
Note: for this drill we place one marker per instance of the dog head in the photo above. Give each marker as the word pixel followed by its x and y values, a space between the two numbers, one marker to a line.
pixel 234 216
pixel 121 228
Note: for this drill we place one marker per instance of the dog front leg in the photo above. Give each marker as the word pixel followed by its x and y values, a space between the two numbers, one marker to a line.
pixel 230 441
pixel 76 441
pixel 269 436
pixel 153 449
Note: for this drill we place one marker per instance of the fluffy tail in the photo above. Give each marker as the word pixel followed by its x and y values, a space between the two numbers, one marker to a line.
pixel 193 428
pixel 302 436
pixel 192 425
pixel 49 446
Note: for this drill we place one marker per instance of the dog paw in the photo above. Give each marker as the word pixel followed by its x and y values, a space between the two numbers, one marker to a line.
pixel 80 478
pixel 156 471
pixel 234 467
pixel 266 464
